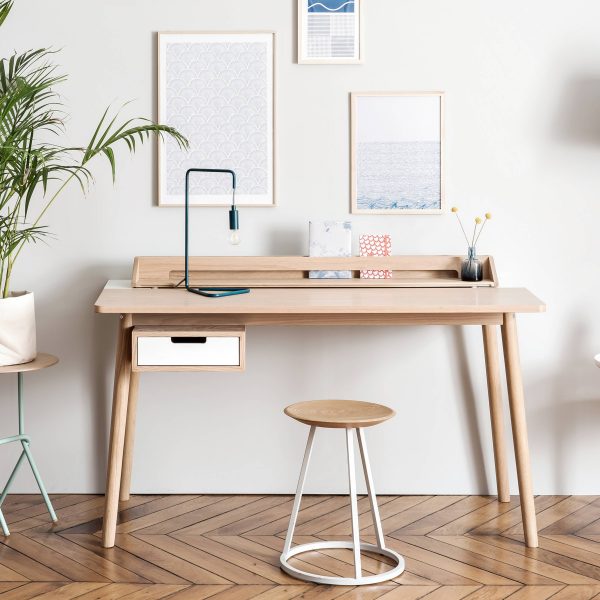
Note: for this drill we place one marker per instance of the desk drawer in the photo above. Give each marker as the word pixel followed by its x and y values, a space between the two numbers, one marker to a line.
pixel 187 349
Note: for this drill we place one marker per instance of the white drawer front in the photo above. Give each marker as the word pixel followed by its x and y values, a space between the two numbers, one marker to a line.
pixel 162 351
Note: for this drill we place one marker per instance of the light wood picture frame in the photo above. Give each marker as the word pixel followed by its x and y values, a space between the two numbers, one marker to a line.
pixel 397 153
pixel 226 109
pixel 330 32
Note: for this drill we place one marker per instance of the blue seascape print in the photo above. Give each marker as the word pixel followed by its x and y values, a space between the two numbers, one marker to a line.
pixel 330 6
pixel 398 175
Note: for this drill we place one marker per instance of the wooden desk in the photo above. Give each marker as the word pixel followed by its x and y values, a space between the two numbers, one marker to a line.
pixel 310 304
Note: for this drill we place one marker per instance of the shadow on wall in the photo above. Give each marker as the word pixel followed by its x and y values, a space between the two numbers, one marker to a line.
pixel 290 241
pixel 568 419
pixel 578 118
pixel 458 350
pixel 91 330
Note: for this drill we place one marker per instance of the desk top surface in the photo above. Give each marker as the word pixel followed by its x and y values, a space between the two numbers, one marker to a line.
pixel 120 297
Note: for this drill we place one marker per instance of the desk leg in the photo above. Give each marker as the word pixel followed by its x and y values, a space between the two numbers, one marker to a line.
pixel 134 384
pixel 117 430
pixel 516 401
pixel 490 346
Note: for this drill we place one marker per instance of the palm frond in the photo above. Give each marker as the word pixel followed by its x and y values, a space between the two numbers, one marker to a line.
pixel 107 135
pixel 5 8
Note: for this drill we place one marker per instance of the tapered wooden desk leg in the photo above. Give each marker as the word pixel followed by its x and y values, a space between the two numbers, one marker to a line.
pixel 490 346
pixel 134 384
pixel 117 430
pixel 519 427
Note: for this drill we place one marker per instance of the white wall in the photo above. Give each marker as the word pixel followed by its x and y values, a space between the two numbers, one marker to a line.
pixel 522 82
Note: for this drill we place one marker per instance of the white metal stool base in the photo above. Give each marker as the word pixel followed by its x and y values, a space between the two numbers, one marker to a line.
pixel 355 545
pixel 334 580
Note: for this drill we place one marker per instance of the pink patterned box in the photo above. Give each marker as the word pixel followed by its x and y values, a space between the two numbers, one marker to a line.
pixel 375 245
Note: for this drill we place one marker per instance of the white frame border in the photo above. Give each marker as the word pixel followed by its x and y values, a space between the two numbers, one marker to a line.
pixel 160 143
pixel 353 138
pixel 330 61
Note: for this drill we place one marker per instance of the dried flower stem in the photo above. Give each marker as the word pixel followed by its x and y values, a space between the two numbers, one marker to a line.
pixel 479 234
pixel 461 226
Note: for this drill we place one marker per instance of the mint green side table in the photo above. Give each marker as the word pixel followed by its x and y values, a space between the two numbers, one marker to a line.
pixel 42 361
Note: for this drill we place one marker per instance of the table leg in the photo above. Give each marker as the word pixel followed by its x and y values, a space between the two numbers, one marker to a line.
pixel 516 401
pixel 134 384
pixel 490 346
pixel 117 430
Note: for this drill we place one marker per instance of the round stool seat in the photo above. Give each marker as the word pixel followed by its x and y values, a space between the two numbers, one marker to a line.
pixel 41 361
pixel 339 413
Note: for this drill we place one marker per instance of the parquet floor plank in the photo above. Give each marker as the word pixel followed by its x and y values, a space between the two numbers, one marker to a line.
pixel 73 590
pixel 32 590
pixel 239 551
pixel 328 505
pixel 557 512
pixel 459 561
pixel 510 518
pixel 170 562
pixel 252 506
pixel 535 592
pixel 414 513
pixel 330 521
pixel 576 572
pixel 408 593
pixel 124 559
pixel 506 551
pixel 50 550
pixel 437 519
pixel 210 562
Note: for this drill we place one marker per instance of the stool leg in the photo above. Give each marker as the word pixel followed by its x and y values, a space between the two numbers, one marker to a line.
pixel 5 530
pixel 27 451
pixel 298 499
pixel 362 444
pixel 39 481
pixel 10 479
pixel 353 503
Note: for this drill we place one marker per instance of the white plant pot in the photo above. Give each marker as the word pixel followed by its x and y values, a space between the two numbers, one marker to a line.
pixel 17 329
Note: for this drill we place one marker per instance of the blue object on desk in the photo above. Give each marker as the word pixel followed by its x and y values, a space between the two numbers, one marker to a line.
pixel 234 225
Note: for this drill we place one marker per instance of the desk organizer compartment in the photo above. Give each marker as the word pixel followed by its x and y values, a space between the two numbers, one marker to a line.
pixel 168 348
pixel 426 271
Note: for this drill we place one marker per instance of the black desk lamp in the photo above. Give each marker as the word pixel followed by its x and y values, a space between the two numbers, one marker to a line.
pixel 234 225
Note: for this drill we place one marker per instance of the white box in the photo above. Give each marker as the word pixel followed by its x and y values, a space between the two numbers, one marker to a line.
pixel 330 239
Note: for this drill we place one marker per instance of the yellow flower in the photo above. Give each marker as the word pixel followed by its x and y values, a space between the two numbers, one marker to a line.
pixel 488 216
pixel 454 209
pixel 478 220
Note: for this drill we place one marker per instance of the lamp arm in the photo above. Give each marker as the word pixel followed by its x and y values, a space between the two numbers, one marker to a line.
pixel 233 224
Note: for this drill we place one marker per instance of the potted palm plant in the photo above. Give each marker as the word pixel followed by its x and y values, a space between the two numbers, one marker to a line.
pixel 35 168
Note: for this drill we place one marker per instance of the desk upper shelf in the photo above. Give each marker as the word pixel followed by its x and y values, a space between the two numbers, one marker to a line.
pixel 293 271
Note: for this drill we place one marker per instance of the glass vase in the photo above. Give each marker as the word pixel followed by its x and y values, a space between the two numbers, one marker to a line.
pixel 471 268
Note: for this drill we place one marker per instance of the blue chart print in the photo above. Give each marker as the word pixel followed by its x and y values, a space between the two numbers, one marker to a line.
pixel 330 6
pixel 331 29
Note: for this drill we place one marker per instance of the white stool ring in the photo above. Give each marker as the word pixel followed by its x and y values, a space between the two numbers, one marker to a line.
pixel 334 580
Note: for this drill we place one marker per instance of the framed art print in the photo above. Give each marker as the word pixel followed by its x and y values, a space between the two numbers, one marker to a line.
pixel 218 90
pixel 330 32
pixel 397 152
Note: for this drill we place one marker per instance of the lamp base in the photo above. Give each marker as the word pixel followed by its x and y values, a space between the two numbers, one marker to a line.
pixel 214 292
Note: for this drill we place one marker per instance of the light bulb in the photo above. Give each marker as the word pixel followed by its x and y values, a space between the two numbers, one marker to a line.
pixel 234 237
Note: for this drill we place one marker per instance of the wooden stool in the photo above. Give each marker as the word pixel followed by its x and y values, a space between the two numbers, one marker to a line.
pixel 40 362
pixel 351 416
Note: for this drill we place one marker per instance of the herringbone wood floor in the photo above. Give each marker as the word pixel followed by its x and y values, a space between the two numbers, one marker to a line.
pixel 227 547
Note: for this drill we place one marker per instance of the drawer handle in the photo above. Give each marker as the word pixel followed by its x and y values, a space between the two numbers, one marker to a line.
pixel 188 340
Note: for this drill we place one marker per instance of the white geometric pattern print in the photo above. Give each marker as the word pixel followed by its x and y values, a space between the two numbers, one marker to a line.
pixel 217 89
